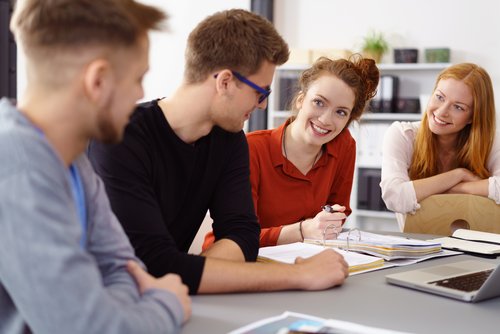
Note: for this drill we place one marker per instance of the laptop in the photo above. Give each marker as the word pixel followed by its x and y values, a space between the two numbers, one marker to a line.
pixel 469 281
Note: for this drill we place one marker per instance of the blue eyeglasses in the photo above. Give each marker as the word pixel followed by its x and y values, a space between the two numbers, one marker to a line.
pixel 264 93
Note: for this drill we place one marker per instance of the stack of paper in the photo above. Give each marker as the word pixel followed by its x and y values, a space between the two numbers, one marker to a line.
pixel 289 252
pixel 385 246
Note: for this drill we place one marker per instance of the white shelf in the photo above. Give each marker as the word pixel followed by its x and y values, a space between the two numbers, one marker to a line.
pixel 390 117
pixel 413 66
pixel 375 214
pixel 383 66
pixel 369 165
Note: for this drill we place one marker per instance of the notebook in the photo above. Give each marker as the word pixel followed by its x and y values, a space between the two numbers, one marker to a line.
pixel 459 280
pixel 289 252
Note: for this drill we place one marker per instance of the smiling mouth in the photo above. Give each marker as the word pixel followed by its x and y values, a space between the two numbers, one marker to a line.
pixel 439 121
pixel 319 130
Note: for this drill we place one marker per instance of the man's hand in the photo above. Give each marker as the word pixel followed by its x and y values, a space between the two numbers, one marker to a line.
pixel 322 270
pixel 169 282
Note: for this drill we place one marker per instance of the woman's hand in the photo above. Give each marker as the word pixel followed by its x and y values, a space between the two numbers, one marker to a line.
pixel 316 228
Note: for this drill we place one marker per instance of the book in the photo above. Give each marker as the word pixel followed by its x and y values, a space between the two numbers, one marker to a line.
pixel 470 241
pixel 387 247
pixel 289 252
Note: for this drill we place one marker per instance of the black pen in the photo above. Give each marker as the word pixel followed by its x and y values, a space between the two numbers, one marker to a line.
pixel 327 208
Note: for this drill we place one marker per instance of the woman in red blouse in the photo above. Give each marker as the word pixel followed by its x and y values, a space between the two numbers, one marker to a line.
pixel 308 161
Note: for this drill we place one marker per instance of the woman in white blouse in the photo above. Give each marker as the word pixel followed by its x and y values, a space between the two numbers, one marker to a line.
pixel 454 149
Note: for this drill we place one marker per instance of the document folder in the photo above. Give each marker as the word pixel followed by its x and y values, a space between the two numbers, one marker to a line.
pixel 385 246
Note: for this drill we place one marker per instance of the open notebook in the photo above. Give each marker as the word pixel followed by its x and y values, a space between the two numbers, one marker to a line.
pixel 289 252
pixel 475 242
pixel 471 280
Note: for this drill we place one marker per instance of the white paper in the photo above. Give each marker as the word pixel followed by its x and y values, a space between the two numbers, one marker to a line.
pixel 289 252
pixel 303 322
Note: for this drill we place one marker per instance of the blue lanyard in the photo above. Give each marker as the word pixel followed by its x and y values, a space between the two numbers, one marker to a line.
pixel 79 197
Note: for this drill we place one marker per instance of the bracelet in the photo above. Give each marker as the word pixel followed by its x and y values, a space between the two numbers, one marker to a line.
pixel 300 229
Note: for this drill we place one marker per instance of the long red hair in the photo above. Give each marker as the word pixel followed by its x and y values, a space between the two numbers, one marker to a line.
pixel 474 141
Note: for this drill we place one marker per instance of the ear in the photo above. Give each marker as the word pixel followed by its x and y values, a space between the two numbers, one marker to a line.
pixel 299 101
pixel 223 81
pixel 98 81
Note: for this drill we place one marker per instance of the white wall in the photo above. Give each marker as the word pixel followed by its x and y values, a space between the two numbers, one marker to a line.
pixel 470 28
pixel 167 48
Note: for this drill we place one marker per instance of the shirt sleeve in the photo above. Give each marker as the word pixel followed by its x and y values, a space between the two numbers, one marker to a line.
pixel 398 192
pixel 494 168
pixel 232 208
pixel 125 169
pixel 53 282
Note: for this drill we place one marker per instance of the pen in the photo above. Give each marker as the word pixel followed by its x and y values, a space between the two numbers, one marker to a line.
pixel 328 208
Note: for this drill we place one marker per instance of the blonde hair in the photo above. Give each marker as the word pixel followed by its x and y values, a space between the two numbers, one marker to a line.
pixel 235 39
pixel 474 141
pixel 360 74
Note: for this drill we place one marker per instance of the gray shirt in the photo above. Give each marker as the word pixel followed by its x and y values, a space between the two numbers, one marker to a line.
pixel 48 282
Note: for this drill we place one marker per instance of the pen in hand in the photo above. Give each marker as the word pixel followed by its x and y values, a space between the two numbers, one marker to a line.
pixel 332 208
pixel 327 208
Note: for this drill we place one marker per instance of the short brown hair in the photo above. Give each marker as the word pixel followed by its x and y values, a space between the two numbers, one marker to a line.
pixel 361 74
pixel 235 39
pixel 42 25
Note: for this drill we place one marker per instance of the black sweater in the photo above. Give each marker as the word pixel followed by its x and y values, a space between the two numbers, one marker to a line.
pixel 160 188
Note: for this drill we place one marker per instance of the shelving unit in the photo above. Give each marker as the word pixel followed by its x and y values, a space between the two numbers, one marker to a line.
pixel 415 81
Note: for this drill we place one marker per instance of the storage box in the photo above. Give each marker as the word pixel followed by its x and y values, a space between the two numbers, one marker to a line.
pixel 405 55
pixel 437 55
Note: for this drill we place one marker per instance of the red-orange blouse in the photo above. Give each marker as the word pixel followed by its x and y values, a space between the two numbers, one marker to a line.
pixel 282 195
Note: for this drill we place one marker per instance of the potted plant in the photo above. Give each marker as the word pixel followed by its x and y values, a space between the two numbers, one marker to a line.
pixel 374 46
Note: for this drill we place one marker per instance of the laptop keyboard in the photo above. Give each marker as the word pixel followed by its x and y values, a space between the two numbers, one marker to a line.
pixel 468 283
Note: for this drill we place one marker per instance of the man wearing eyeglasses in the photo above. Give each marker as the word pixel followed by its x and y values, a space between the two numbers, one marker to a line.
pixel 186 154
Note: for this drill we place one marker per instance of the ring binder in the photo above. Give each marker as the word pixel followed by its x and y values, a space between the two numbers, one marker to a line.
pixel 384 246
pixel 336 230
pixel 349 236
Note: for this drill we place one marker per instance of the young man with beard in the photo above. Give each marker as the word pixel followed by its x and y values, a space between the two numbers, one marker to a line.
pixel 66 265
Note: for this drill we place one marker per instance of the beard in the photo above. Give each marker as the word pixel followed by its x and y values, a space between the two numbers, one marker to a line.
pixel 108 132
pixel 228 120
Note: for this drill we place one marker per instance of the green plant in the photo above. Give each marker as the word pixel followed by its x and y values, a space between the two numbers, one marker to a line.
pixel 374 45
